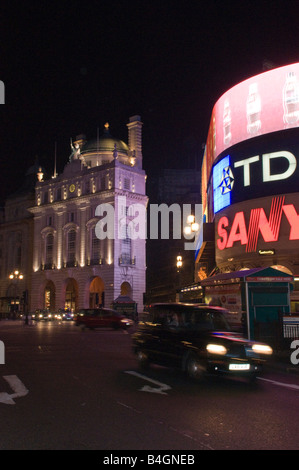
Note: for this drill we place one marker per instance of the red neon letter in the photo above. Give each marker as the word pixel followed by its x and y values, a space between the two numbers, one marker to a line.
pixel 293 219
pixel 223 222
pixel 238 231
pixel 266 228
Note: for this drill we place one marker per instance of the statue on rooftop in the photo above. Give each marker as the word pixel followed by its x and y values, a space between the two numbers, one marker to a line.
pixel 75 155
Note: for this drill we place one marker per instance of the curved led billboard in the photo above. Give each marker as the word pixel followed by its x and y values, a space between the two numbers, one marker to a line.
pixel 263 104
pixel 260 227
pixel 264 166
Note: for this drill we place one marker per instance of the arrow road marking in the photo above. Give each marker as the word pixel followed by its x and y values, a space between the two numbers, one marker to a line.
pixel 17 386
pixel 147 388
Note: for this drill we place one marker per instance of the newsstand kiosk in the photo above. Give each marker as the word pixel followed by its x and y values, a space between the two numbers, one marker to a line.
pixel 126 306
pixel 255 299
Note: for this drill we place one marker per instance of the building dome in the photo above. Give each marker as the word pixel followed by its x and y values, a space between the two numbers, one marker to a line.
pixel 105 143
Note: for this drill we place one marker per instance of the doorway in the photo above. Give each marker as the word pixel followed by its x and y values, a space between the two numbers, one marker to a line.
pixel 49 296
pixel 96 293
pixel 71 295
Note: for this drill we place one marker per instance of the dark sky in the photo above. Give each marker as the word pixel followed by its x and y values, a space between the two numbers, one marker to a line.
pixel 70 66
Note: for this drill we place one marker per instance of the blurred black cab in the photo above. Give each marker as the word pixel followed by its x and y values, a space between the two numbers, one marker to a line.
pixel 196 339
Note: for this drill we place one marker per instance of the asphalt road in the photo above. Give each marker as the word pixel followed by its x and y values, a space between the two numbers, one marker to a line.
pixel 66 389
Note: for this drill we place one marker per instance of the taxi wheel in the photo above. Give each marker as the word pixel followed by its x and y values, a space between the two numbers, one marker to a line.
pixel 195 368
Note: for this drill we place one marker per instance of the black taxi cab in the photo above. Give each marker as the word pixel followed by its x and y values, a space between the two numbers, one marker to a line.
pixel 196 339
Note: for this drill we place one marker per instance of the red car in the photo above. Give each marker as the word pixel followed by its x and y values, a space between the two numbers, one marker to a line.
pixel 102 318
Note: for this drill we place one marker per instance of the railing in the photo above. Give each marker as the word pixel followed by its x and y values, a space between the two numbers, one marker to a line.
pixel 46 266
pixel 126 260
pixel 291 330
pixel 95 261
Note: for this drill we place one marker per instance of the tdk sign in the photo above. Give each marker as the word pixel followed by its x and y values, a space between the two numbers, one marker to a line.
pixel 236 180
pixel 266 170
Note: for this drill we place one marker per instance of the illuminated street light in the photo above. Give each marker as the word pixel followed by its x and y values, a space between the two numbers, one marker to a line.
pixel 179 262
pixel 16 276
pixel 192 227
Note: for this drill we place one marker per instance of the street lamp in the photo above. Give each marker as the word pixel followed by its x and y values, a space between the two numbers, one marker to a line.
pixel 16 276
pixel 179 265
pixel 179 262
pixel 192 227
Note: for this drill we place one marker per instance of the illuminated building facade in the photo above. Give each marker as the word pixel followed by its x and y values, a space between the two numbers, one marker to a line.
pixel 250 177
pixel 16 245
pixel 78 263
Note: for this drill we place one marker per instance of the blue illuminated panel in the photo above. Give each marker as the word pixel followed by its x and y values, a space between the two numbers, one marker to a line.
pixel 223 182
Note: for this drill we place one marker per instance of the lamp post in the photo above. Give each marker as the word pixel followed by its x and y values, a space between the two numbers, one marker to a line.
pixel 15 277
pixel 179 265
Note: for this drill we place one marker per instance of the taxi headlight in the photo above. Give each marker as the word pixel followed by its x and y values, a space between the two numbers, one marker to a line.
pixel 262 349
pixel 216 349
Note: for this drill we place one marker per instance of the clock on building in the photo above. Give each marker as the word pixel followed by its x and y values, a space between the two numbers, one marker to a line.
pixel 72 188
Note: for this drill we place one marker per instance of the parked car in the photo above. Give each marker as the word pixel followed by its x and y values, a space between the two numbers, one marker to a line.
pixel 101 318
pixel 196 339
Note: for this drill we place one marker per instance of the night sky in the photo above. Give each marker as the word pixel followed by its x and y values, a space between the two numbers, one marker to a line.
pixel 70 66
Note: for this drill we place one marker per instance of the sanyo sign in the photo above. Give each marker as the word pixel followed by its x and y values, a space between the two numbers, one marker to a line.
pixel 247 226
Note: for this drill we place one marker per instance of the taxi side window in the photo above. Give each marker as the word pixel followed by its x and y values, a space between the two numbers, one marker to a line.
pixel 172 319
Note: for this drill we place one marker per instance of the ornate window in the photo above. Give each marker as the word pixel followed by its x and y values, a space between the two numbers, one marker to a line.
pixel 95 254
pixel 126 246
pixel 71 247
pixel 49 251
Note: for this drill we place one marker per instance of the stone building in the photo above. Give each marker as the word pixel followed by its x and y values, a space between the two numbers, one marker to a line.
pixel 86 246
pixel 16 245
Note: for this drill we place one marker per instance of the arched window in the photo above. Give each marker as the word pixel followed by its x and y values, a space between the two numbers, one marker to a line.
pixel 95 257
pixel 71 247
pixel 126 246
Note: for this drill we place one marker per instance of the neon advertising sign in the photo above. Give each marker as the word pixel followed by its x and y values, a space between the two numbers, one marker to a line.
pixel 264 104
pixel 251 177
pixel 247 234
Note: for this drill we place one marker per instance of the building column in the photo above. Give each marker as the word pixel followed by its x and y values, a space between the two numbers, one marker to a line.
pixel 83 229
pixel 59 241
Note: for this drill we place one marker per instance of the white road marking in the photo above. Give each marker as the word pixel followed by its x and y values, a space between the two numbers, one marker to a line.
pixel 281 384
pixel 147 388
pixel 17 386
